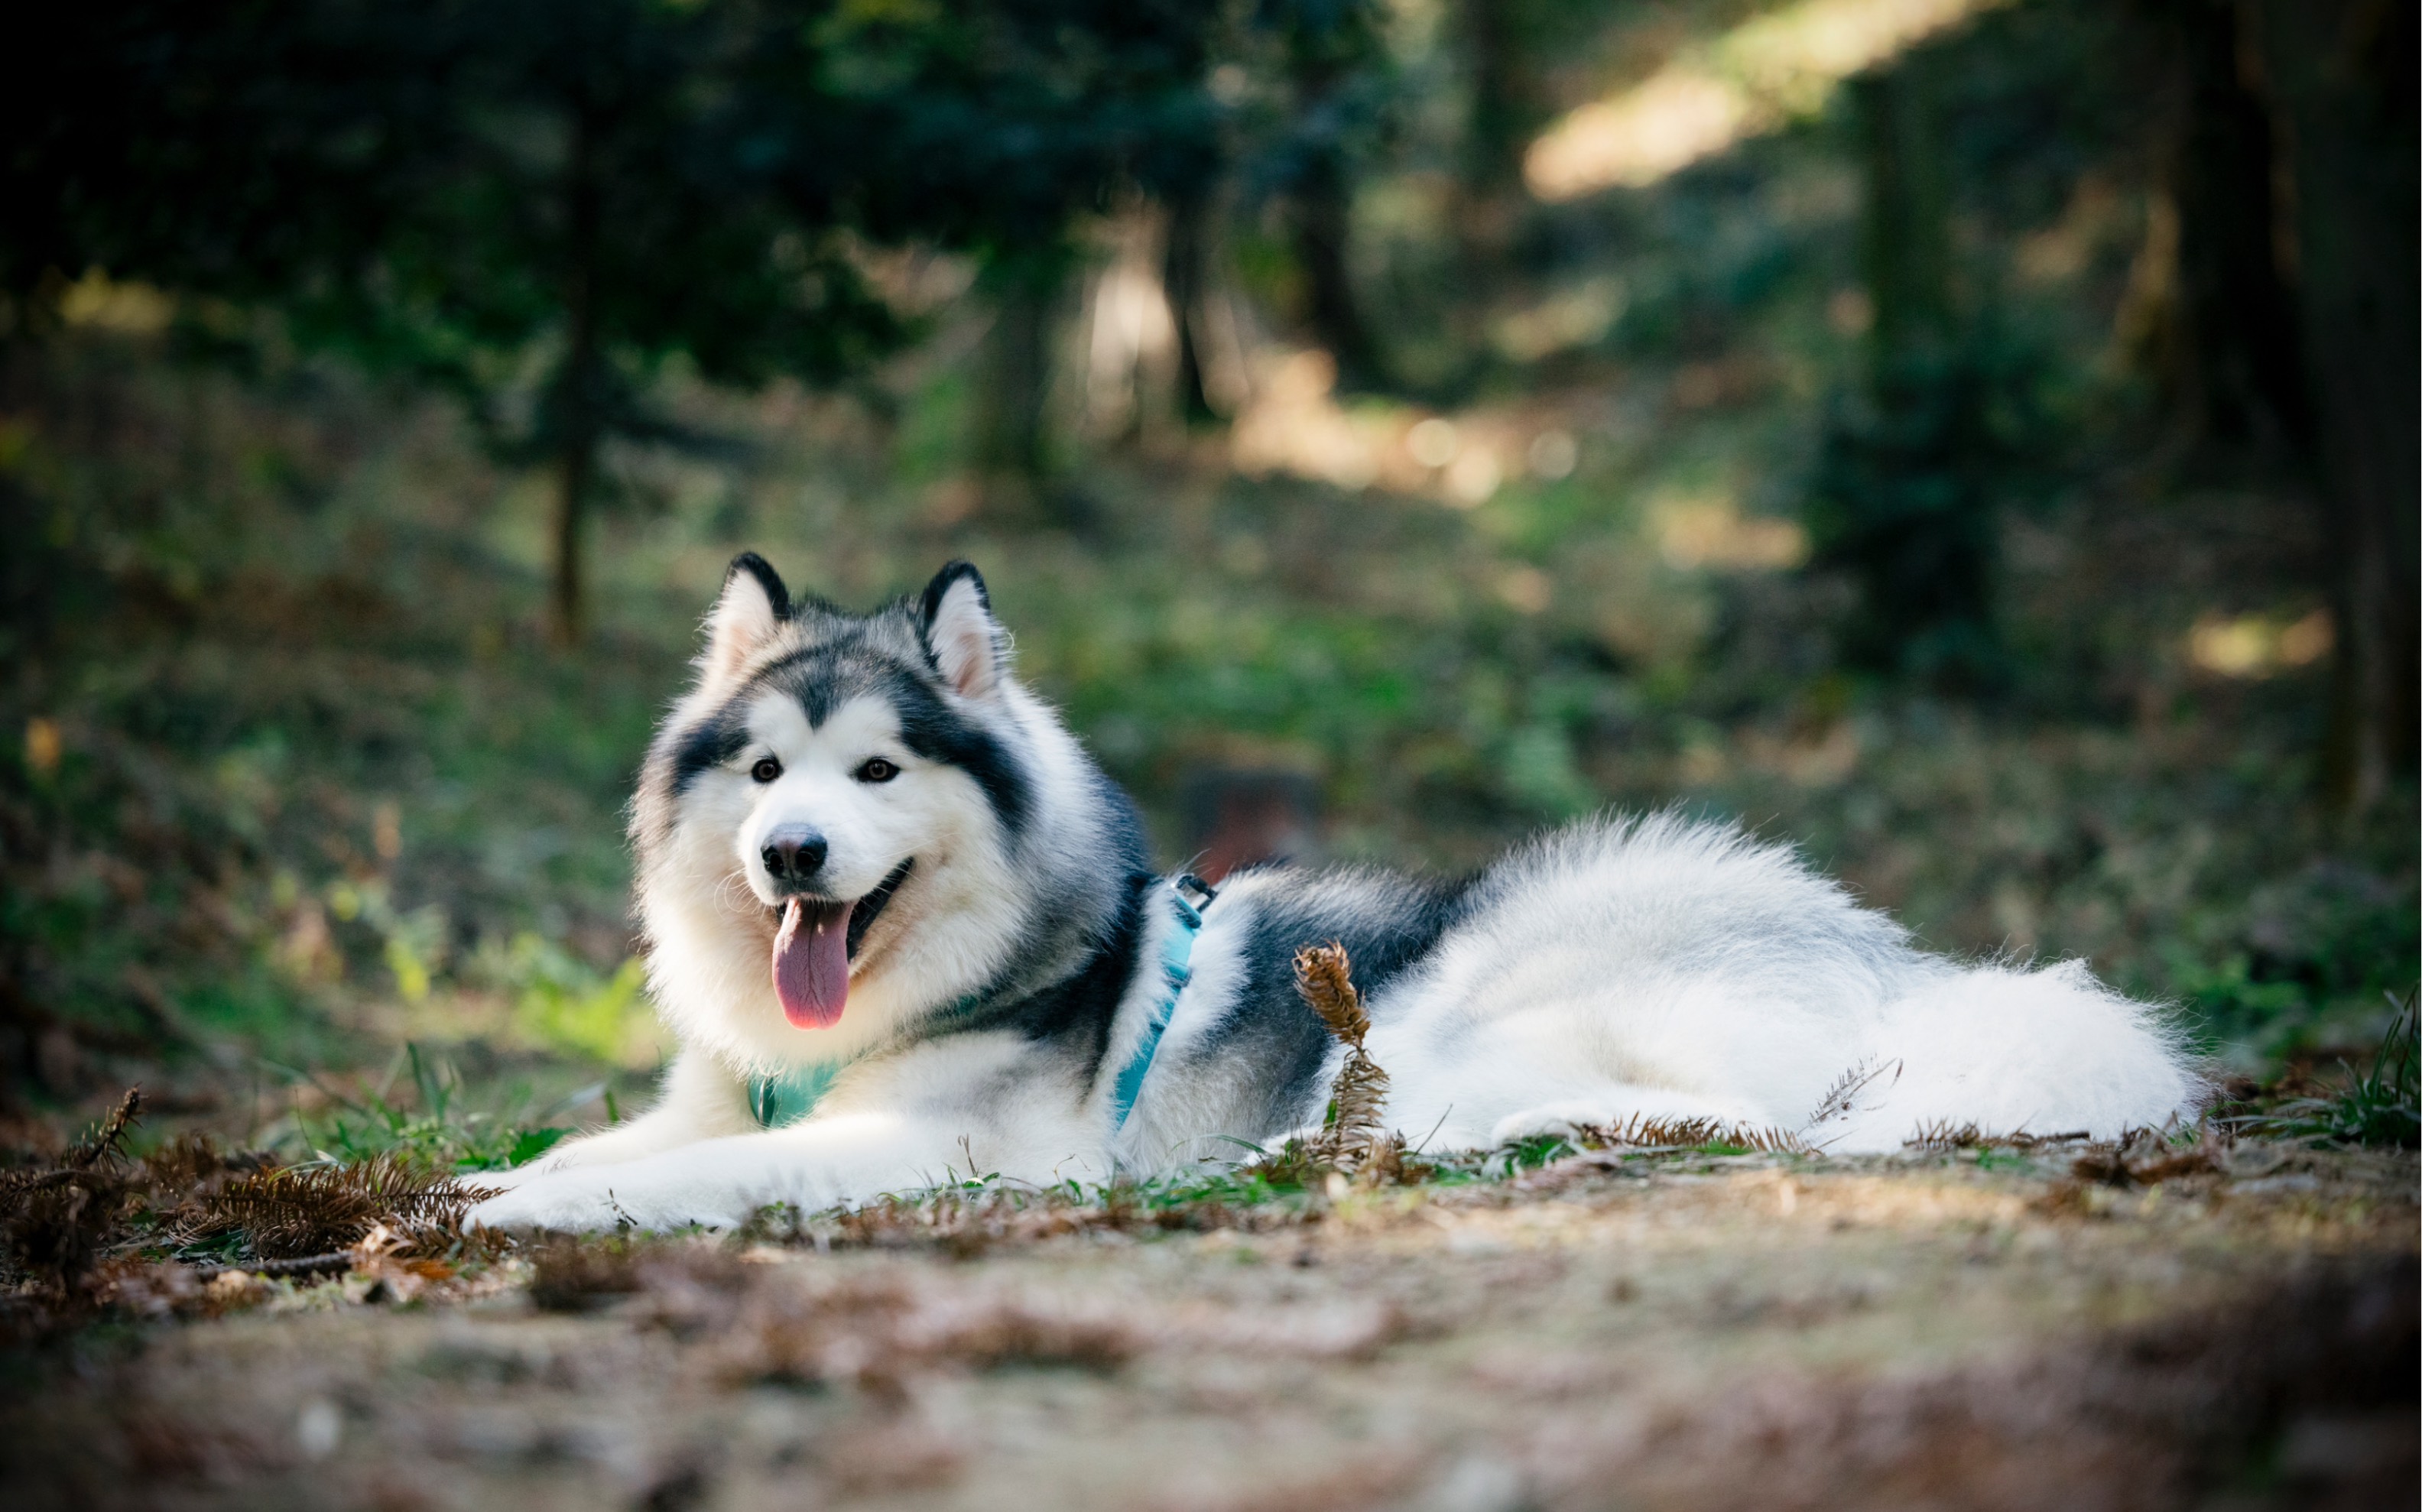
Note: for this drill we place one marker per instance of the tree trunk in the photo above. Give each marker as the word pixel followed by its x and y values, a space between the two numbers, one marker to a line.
pixel 2343 78
pixel 1905 229
pixel 568 605
pixel 2233 367
pixel 1504 113
pixel 1012 443
pixel 1489 199
pixel 577 421
pixel 1185 281
pixel 1902 503
pixel 1323 226
pixel 1320 199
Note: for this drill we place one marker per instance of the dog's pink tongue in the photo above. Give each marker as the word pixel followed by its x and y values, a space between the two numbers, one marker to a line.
pixel 811 962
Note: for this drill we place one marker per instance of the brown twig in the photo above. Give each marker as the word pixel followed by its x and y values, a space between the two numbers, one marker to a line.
pixel 1942 1136
pixel 1351 1133
pixel 334 1263
pixel 1840 1097
pixel 1665 1135
pixel 301 1211
pixel 103 1143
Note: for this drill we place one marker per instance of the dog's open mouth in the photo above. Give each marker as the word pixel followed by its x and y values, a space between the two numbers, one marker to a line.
pixel 816 940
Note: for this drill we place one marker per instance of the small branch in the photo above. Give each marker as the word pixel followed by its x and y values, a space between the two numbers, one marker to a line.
pixel 336 1262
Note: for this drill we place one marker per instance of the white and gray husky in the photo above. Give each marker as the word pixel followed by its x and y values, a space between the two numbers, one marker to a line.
pixel 904 928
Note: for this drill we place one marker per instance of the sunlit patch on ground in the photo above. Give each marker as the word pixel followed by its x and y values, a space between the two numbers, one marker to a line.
pixel 2257 645
pixel 1708 530
pixel 1294 424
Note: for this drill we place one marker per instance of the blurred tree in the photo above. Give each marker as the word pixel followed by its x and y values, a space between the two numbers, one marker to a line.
pixel 1504 44
pixel 620 192
pixel 1507 104
pixel 470 194
pixel 2226 351
pixel 1000 123
pixel 1496 51
pixel 1186 279
pixel 235 147
pixel 1024 285
pixel 1331 53
pixel 1901 502
pixel 463 194
pixel 2295 323
pixel 2343 76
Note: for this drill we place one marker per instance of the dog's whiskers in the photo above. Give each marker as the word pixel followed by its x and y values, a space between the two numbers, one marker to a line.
pixel 735 897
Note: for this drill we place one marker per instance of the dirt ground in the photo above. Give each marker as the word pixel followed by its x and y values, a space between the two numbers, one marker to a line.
pixel 1971 1329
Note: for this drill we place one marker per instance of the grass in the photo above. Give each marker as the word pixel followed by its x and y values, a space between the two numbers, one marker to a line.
pixel 392 1170
pixel 92 1233
pixel 1294 1184
pixel 89 1232
pixel 2380 1104
pixel 434 1128
pixel 389 1177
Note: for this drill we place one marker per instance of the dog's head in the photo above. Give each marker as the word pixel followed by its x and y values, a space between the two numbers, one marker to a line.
pixel 828 818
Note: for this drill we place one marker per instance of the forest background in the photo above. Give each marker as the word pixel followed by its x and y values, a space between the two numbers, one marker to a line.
pixel 1974 441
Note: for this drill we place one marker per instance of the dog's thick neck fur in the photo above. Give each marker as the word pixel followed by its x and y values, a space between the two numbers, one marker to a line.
pixel 1046 936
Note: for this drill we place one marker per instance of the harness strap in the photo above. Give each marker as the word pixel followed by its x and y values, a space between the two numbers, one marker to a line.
pixel 1176 954
pixel 779 1101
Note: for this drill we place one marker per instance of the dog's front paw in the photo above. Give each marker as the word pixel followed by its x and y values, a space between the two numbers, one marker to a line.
pixel 606 1197
pixel 568 1200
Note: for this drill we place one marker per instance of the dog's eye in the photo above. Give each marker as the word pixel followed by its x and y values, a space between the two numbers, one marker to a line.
pixel 876 770
pixel 766 769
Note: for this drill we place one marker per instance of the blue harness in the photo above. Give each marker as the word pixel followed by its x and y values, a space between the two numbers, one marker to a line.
pixel 1176 953
pixel 777 1102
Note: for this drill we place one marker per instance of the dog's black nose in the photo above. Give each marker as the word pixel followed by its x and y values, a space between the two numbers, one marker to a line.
pixel 793 855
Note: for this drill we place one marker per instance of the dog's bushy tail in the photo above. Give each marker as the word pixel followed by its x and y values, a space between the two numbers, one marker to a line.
pixel 2014 1050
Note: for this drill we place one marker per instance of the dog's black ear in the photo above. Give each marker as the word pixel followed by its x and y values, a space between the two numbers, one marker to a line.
pixel 968 646
pixel 752 606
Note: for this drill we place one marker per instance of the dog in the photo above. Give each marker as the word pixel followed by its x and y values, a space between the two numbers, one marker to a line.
pixel 905 931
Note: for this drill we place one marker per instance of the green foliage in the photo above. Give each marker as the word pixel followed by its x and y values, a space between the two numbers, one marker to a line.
pixel 1903 503
pixel 1523 1155
pixel 433 1129
pixel 617 182
pixel 990 125
pixel 568 1006
pixel 2226 998
pixel 2327 938
pixel 540 205
pixel 436 190
pixel 2380 1104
